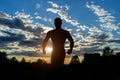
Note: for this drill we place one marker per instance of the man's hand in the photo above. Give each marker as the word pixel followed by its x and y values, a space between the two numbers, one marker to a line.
pixel 44 51
pixel 69 51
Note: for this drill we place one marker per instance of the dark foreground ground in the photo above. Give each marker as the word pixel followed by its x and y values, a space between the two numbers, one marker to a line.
pixel 25 71
pixel 94 67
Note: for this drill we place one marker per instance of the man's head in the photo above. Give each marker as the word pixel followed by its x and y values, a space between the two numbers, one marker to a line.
pixel 58 22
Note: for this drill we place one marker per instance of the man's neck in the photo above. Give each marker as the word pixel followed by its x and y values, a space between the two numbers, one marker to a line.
pixel 58 28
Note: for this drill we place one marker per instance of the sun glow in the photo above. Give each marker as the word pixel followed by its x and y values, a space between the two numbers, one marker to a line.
pixel 48 49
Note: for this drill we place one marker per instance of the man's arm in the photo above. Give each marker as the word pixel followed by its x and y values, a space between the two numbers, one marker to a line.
pixel 45 42
pixel 71 43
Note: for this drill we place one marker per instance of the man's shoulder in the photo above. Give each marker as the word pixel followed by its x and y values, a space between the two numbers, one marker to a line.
pixel 50 31
pixel 65 30
pixel 54 30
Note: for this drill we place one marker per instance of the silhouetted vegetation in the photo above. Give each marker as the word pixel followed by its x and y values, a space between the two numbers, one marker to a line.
pixel 75 60
pixel 107 51
pixel 93 67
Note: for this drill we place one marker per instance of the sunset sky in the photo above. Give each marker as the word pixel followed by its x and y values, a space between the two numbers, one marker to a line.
pixel 93 24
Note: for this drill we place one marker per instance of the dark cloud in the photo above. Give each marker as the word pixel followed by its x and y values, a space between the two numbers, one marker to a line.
pixel 89 50
pixel 17 23
pixel 12 23
pixel 101 37
pixel 114 41
pixel 36 32
pixel 27 53
pixel 31 43
pixel 4 15
pixel 8 48
pixel 116 49
pixel 13 37
pixel 3 44
pixel 97 43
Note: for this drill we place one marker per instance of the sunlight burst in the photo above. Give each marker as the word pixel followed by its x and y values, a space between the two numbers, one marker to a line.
pixel 48 49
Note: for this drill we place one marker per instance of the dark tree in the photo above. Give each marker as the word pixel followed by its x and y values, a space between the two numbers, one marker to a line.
pixel 107 51
pixel 13 60
pixel 75 60
pixel 23 60
pixel 41 61
pixel 3 57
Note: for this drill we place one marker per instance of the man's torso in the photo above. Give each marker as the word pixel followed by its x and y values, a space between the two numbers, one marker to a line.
pixel 58 38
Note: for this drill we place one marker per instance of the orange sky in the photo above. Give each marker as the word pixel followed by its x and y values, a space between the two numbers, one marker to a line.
pixel 47 59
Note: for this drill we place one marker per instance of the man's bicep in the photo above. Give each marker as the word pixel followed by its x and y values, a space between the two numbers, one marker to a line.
pixel 48 35
pixel 46 38
pixel 71 39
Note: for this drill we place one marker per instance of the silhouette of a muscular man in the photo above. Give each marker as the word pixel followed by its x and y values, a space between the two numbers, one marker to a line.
pixel 58 37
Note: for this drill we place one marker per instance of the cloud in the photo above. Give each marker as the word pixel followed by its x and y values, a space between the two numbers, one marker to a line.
pixel 105 18
pixel 31 43
pixel 94 30
pixel 12 22
pixel 20 30
pixel 93 36
pixel 21 23
pixel 74 23
pixel 64 15
pixel 66 7
pixel 13 37
pixel 114 41
pixel 100 37
pixel 22 34
pixel 82 27
pixel 26 19
pixel 27 53
pixel 44 27
pixel 38 5
pixel 4 15
pixel 87 49
pixel 38 17
pixel 53 4
pixel 36 13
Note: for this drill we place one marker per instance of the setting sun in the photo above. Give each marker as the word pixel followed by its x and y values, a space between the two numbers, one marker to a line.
pixel 48 49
